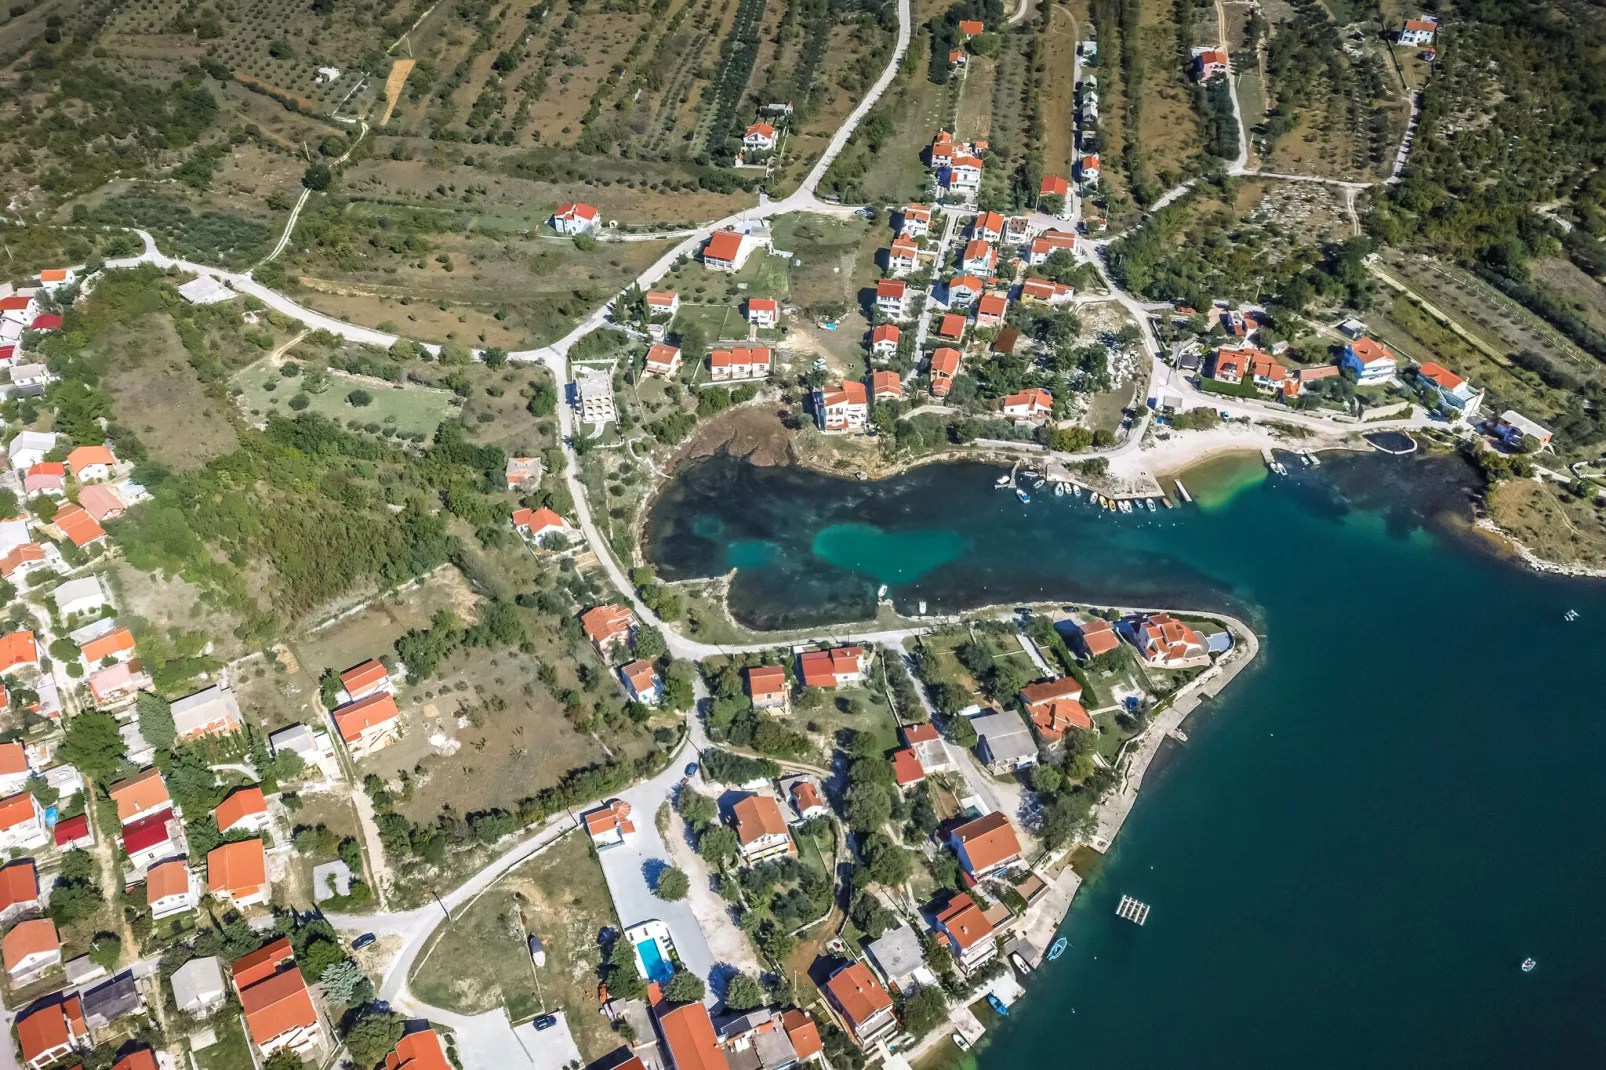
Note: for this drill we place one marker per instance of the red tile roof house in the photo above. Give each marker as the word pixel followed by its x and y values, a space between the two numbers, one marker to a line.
pixel 987 226
pixel 1054 186
pixel 279 1013
pixel 46 477
pixel 806 800
pixel 89 463
pixel 662 302
pixel 77 525
pixel 969 933
pixel 760 828
pixel 52 1032
pixel 804 1035
pixel 244 810
pixel 842 408
pixel 610 825
pixel 575 219
pixel 18 649
pixel 971 28
pixel 951 327
pixel 171 888
pixel 1165 642
pixel 1418 32
pixel 1046 245
pixel 944 366
pixel 369 724
pixel 117 645
pixel 884 340
pixel 759 137
pixel 522 470
pixel 886 386
pixel 19 890
pixel 985 845
pixel 1055 293
pixel 903 257
pixel 15 769
pixel 906 768
pixel 1210 63
pixel 763 312
pixel 963 289
pixel 1097 636
pixel 767 687
pixel 688 1034
pixel 979 259
pixel 1229 366
pixel 420 1051
pixel 915 221
pixel 29 949
pixel 608 627
pixel 642 683
pixel 726 251
pixel 923 739
pixel 368 678
pixel 864 1005
pixel 1029 405
pixel 1053 706
pixel 891 298
pixel 118 685
pixel 833 668
pixel 663 360
pixel 739 362
pixel 238 872
pixel 991 309
pixel 534 524
pixel 22 823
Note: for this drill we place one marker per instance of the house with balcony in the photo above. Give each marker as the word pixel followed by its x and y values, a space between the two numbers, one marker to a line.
pixel 760 828
pixel 968 933
pixel 865 1006
pixel 985 845
pixel 842 408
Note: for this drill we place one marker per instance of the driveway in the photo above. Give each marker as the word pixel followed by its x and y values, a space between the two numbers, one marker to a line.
pixel 626 867
pixel 549 1049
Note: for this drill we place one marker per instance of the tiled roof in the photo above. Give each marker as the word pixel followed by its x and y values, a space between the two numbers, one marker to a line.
pixel 725 245
pixel 19 883
pixel 277 1005
pixel 603 623
pixel 29 938
pixel 856 993
pixel 689 1035
pixel 169 878
pixel 239 868
pixel 965 922
pixel 360 677
pixel 757 816
pixel 418 1051
pixel 111 643
pixel 261 963
pixel 241 804
pixel 988 840
pixel 354 718
pixel 766 680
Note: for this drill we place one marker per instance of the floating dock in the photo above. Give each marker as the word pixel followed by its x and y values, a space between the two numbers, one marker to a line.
pixel 1132 910
pixel 1183 492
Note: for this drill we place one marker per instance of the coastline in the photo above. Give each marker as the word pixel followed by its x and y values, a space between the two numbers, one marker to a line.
pixel 1511 546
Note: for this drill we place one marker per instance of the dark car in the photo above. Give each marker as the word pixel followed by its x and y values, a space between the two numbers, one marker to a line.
pixel 546 1021
pixel 362 941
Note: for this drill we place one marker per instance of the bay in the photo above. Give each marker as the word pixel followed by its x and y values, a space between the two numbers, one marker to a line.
pixel 1364 836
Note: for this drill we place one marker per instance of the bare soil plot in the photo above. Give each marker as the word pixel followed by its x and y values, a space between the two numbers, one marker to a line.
pixel 1583 294
pixel 1059 93
pixel 1168 129
pixel 173 602
pixel 976 99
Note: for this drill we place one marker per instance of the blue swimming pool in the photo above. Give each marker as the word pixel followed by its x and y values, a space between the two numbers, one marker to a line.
pixel 658 968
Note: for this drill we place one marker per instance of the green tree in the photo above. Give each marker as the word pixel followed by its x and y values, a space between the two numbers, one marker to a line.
pixel 93 745
pixel 359 398
pixel 699 810
pixel 285 1059
pixel 963 731
pixel 105 950
pixel 344 982
pixel 374 1036
pixel 672 885
pixel 156 720
pixel 684 987
pixel 889 863
pixel 743 993
pixel 624 980
pixel 923 1011
pixel 318 956
pixel 317 176
pixel 718 844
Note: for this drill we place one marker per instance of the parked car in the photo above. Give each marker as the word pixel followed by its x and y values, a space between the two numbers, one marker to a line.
pixel 363 941
pixel 546 1021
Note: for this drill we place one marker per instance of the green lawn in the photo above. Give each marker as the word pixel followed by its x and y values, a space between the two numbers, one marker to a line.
pixel 230 1052
pixel 721 322
pixel 479 961
pixel 409 409
pixel 873 718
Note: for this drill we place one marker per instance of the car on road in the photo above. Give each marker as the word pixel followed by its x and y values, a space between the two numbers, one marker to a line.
pixel 546 1021
pixel 691 770
pixel 363 941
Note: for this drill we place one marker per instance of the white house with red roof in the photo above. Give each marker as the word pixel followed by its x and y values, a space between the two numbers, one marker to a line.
pixel 963 175
pixel 1048 243
pixel 1087 170
pixel 610 825
pixel 726 250
pixel 763 312
pixel 369 724
pixel 760 137
pixel 575 218
pixel 1371 361
pixel 886 386
pixel 944 366
pixel 1052 293
pixel 988 226
pixel 740 362
pixel 1031 404
pixel 1055 186
pixel 533 524
pixel 968 933
pixel 963 289
pixel 1166 643
pixel 904 256
pixel 22 823
pixel 1455 394
pixel 892 298
pixel 838 667
pixel 915 221
pixel 1419 31
pixel 842 408
pixel 906 768
pixel 1210 63
pixel 662 302
pixel 979 258
pixel 662 360
pixel 884 340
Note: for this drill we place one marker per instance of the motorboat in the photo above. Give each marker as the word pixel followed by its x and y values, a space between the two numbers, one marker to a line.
pixel 1020 492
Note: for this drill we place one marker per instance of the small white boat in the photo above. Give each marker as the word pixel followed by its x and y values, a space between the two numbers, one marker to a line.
pixel 1001 481
pixel 1528 965
pixel 960 1042
pixel 1149 504
pixel 1059 490
pixel 1077 490
pixel 1019 963
pixel 1570 615
pixel 1020 492
pixel 1126 506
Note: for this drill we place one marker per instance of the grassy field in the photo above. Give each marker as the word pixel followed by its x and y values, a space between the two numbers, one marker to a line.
pixel 1556 525
pixel 480 961
pixel 1059 92
pixel 896 174
pixel 851 708
pixel 1583 294
pixel 157 392
pixel 231 1051
pixel 408 410
pixel 1168 127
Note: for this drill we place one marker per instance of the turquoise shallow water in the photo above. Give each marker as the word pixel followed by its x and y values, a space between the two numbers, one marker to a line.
pixel 1362 839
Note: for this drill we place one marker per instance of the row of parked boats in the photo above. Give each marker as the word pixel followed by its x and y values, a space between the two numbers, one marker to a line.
pixel 1017 477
